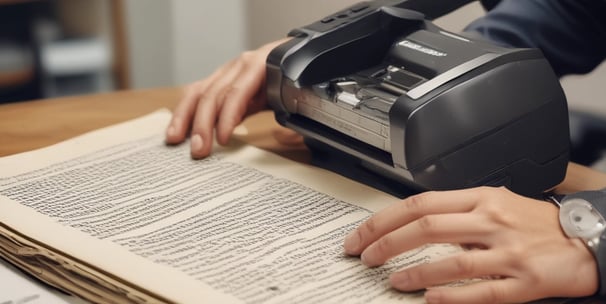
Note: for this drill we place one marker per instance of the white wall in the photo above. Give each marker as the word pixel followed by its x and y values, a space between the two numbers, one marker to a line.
pixel 149 34
pixel 206 34
pixel 177 42
pixel 269 20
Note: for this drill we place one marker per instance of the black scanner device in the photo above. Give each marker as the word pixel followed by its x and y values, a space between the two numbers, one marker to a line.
pixel 419 105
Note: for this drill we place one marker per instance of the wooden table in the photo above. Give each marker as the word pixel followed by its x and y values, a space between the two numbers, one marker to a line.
pixel 30 125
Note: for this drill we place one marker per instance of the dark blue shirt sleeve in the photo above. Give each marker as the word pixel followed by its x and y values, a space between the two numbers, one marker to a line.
pixel 570 33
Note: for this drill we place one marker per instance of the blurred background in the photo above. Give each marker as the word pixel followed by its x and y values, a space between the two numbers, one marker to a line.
pixel 51 48
pixel 64 47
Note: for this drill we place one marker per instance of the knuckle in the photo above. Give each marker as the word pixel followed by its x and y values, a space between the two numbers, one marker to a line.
pixel 484 189
pixel 246 56
pixel 516 252
pixel 369 226
pixel 534 277
pixel 495 294
pixel 464 266
pixel 230 93
pixel 415 203
pixel 485 193
pixel 518 255
pixel 384 246
pixel 417 276
pixel 194 87
pixel 427 224
pixel 497 214
pixel 203 96
pixel 229 119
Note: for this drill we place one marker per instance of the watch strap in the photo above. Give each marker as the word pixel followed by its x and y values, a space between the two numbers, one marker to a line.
pixel 600 257
pixel 597 199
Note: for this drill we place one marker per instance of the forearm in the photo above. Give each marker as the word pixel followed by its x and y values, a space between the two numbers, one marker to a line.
pixel 570 33
pixel 579 178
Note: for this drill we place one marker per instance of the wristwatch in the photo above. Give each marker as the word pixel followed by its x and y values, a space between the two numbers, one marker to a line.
pixel 582 215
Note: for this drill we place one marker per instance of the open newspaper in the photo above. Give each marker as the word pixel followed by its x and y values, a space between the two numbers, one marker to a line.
pixel 117 216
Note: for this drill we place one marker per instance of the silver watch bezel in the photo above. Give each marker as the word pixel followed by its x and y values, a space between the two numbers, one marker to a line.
pixel 572 207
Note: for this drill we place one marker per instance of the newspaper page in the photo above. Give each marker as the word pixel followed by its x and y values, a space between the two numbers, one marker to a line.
pixel 242 225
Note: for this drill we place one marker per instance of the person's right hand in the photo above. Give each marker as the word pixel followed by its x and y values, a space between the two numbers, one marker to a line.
pixel 515 245
pixel 221 101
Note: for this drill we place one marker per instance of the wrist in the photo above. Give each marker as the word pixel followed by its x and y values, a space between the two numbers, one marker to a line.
pixel 582 216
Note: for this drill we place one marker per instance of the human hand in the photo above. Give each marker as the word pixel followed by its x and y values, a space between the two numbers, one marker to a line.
pixel 517 241
pixel 221 101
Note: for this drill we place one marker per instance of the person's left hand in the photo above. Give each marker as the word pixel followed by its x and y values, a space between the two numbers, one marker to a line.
pixel 516 241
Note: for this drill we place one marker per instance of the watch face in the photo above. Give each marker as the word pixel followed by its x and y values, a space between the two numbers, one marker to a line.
pixel 580 219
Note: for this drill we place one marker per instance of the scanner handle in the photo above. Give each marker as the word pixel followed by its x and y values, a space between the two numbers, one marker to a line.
pixel 325 50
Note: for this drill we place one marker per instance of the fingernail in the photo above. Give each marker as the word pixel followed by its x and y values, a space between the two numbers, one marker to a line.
pixel 400 280
pixel 196 143
pixel 369 261
pixel 432 296
pixel 364 259
pixel 172 128
pixel 171 131
pixel 352 241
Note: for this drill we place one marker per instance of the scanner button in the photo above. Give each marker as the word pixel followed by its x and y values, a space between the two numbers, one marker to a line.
pixel 359 8
pixel 328 20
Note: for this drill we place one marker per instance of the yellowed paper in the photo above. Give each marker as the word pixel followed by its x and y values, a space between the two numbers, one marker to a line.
pixel 243 225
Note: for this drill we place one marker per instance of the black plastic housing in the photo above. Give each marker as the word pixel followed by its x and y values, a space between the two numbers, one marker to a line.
pixel 484 114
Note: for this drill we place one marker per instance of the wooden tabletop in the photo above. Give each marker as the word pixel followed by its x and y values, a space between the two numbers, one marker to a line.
pixel 30 125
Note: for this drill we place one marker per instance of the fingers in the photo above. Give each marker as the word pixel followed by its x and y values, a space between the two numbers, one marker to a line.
pixel 519 238
pixel 203 126
pixel 186 109
pixel 239 95
pixel 221 101
pixel 209 107
pixel 465 265
pixel 182 114
pixel 508 290
pixel 407 211
pixel 459 228
pixel 287 137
